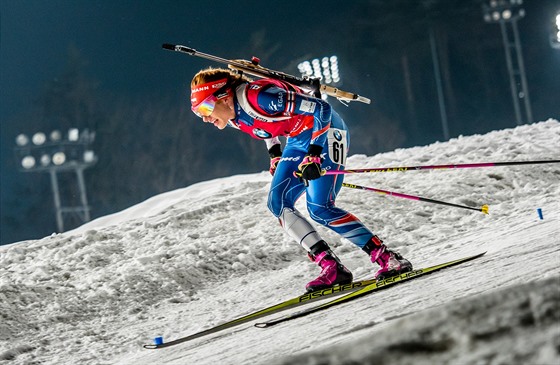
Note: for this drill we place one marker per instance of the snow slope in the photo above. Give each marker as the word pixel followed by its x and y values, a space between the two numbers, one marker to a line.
pixel 183 261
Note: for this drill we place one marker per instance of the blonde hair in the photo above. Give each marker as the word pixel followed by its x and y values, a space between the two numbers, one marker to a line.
pixel 214 74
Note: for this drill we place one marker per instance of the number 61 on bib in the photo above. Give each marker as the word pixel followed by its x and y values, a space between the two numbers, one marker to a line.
pixel 338 146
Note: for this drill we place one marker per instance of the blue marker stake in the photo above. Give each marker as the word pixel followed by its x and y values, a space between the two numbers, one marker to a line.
pixel 539 211
pixel 158 341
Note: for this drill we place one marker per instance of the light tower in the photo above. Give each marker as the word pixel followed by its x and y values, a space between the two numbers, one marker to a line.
pixel 506 13
pixel 55 155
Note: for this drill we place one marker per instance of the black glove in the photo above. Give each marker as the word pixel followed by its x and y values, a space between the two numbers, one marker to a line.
pixel 310 167
pixel 275 153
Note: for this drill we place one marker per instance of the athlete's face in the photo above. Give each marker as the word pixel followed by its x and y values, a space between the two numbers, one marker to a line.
pixel 223 111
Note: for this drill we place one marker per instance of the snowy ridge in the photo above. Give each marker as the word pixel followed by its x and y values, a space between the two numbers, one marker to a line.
pixel 187 259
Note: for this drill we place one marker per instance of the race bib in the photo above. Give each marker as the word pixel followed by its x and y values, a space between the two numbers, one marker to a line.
pixel 337 146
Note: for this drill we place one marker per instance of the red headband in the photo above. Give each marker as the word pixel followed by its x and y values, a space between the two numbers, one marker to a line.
pixel 201 92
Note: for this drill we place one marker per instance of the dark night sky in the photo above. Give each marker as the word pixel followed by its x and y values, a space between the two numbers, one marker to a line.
pixel 121 40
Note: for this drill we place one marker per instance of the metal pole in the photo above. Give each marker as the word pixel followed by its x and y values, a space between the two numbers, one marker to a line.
pixel 511 74
pixel 442 110
pixel 56 195
pixel 521 64
pixel 83 196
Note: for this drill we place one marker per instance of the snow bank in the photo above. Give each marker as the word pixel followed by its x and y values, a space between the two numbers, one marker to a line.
pixel 514 325
pixel 188 259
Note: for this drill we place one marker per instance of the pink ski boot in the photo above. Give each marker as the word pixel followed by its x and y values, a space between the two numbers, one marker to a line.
pixel 392 263
pixel 332 273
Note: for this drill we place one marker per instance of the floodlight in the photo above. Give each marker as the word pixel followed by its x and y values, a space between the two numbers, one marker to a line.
pixel 555 33
pixel 316 67
pixel 334 69
pixel 325 69
pixel 507 13
pixel 59 154
pixel 39 138
pixel 59 158
pixel 56 136
pixel 89 156
pixel 73 135
pixel 28 162
pixel 45 160
pixel 22 140
pixel 305 68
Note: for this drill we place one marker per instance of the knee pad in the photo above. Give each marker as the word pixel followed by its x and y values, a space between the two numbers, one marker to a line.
pixel 299 228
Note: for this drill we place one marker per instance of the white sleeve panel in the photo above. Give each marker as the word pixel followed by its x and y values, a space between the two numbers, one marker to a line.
pixel 271 142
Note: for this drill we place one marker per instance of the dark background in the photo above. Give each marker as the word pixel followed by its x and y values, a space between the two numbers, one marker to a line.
pixel 99 65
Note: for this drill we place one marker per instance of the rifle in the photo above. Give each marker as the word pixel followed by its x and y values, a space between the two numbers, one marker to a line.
pixel 254 68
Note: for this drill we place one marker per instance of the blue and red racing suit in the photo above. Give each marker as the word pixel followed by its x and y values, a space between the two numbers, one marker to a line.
pixel 267 109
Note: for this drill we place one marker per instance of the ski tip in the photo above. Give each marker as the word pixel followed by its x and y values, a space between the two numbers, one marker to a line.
pixel 168 46
pixel 484 209
pixel 480 254
pixel 261 325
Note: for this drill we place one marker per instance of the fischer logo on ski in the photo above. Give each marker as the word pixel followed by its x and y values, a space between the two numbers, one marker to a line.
pixel 368 289
pixel 400 277
pixel 356 289
pixel 335 289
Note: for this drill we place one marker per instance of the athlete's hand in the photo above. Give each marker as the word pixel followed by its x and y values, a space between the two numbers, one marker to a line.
pixel 274 161
pixel 310 167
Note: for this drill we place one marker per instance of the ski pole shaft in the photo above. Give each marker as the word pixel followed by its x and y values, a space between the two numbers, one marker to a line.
pixel 483 209
pixel 436 167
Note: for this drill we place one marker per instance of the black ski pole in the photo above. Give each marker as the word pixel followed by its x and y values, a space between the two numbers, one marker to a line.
pixel 483 209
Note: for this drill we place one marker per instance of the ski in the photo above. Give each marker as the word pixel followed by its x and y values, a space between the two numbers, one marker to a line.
pixel 288 304
pixel 378 285
pixel 254 68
